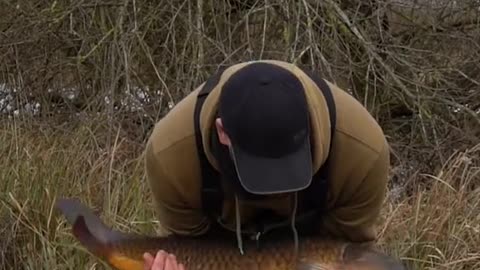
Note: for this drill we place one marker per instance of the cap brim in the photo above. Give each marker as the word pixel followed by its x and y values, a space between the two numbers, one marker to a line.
pixel 260 175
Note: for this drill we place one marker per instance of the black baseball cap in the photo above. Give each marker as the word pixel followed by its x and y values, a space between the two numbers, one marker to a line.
pixel 264 112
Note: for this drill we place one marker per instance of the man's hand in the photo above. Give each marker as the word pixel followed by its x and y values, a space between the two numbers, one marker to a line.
pixel 162 261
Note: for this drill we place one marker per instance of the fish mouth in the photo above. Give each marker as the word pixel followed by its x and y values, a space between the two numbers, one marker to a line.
pixel 360 256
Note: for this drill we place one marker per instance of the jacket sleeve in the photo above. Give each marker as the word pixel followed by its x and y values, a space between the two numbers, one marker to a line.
pixel 176 212
pixel 356 220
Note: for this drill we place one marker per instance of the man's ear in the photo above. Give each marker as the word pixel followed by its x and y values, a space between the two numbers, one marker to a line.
pixel 222 135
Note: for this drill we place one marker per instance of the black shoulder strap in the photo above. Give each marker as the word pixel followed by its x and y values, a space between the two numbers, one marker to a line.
pixel 327 93
pixel 318 190
pixel 211 194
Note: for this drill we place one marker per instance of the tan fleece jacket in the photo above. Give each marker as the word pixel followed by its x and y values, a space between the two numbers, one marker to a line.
pixel 360 163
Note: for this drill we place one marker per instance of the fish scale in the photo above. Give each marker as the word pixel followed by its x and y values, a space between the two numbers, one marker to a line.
pixel 124 251
pixel 222 255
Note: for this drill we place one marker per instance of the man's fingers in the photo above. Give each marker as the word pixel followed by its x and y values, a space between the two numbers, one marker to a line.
pixel 171 263
pixel 159 262
pixel 148 261
pixel 162 261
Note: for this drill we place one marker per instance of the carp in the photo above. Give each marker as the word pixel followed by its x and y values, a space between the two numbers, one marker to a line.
pixel 124 251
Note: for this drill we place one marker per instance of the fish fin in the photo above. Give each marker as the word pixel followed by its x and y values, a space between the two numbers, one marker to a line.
pixel 72 209
pixel 359 256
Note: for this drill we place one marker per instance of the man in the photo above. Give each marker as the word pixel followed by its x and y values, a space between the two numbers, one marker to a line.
pixel 274 141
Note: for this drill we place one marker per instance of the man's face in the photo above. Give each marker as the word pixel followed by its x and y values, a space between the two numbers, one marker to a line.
pixel 222 135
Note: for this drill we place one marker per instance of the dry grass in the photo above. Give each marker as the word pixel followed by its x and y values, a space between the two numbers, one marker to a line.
pixel 413 65
pixel 39 166
pixel 439 226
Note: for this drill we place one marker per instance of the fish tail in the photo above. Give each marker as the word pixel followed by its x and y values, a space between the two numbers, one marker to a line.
pixel 72 209
pixel 87 227
pixel 82 233
pixel 96 236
